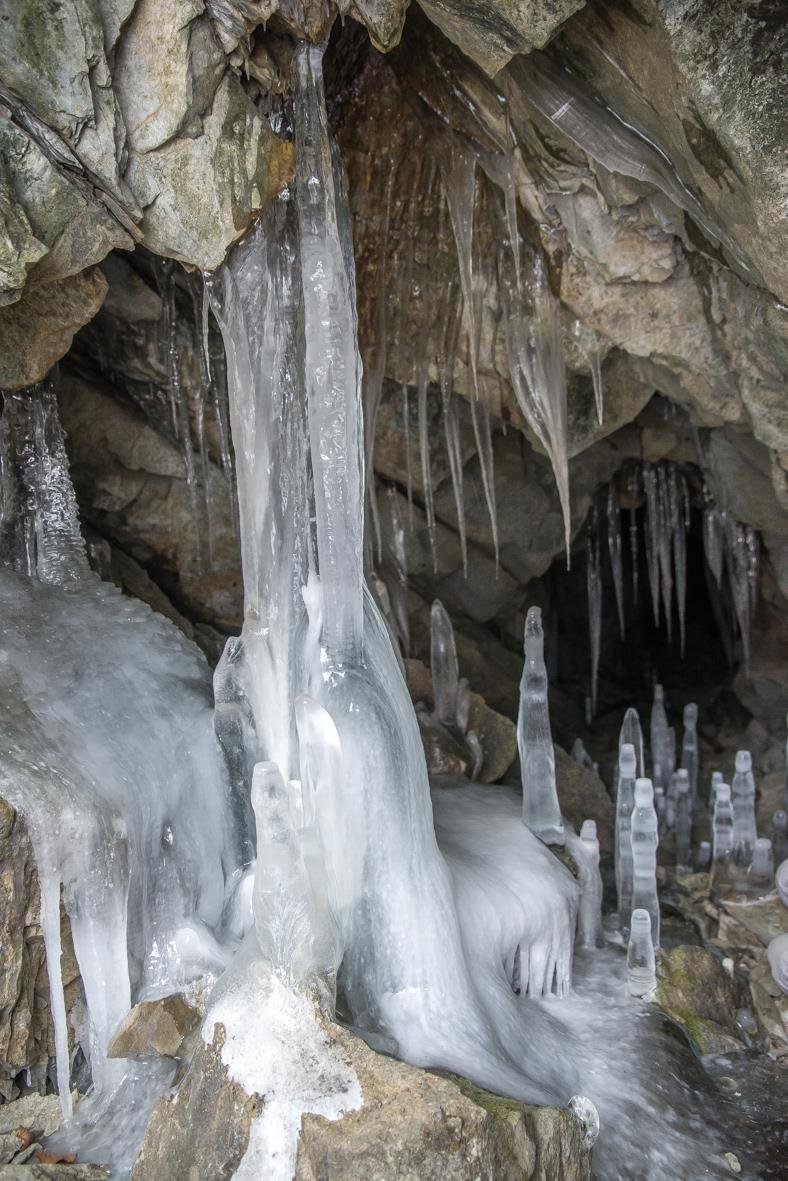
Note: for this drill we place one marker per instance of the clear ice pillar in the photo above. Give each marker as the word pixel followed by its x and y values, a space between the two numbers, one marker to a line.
pixel 625 802
pixel 659 739
pixel 541 810
pixel 722 837
pixel 644 854
pixel 641 961
pixel 589 917
pixel 683 822
pixel 631 732
pixel 743 800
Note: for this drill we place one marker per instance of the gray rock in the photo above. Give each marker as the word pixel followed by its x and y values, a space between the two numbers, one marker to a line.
pixel 583 796
pixel 491 33
pixel 35 1171
pixel 155 1029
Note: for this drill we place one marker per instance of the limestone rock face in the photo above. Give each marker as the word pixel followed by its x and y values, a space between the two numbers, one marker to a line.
pixel 412 1124
pixel 492 33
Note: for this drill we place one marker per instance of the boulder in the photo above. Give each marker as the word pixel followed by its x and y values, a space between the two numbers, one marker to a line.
pixel 695 990
pixel 583 796
pixel 155 1029
pixel 413 1124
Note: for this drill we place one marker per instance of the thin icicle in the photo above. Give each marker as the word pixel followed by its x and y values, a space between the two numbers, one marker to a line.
pixel 424 456
pixel 679 537
pixel 458 169
pixel 713 545
pixel 405 395
pixel 595 360
pixel 664 547
pixel 737 559
pixel 652 536
pixel 632 492
pixel 594 589
pixel 753 565
pixel 451 424
pixel 615 550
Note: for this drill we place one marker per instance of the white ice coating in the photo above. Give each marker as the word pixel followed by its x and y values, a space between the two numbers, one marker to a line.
pixel 541 810
pixel 722 836
pixel 625 802
pixel 644 854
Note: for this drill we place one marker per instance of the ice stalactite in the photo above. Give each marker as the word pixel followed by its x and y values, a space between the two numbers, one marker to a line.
pixel 443 664
pixel 678 530
pixel 664 546
pixel 631 731
pixel 594 593
pixel 451 423
pixel 397 559
pixel 614 546
pixel 652 536
pixel 713 536
pixel 39 522
pixel 595 361
pixel 458 170
pixel 737 564
pixel 541 810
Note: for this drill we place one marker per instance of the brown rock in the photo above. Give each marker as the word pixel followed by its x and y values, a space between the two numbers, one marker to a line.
pixel 583 796
pixel 37 330
pixel 155 1029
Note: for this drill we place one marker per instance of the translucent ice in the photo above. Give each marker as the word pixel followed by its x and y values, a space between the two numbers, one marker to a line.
pixel 689 749
pixel 644 854
pixel 652 536
pixel 743 800
pixel 683 823
pixel 777 955
pixel 660 754
pixel 443 663
pixel 631 732
pixel 713 540
pixel 641 963
pixel 625 802
pixel 585 850
pixel 541 810
pixel 780 836
pixel 760 874
pixel 722 837
pixel 616 554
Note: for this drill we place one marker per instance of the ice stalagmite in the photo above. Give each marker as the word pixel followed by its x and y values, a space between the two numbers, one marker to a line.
pixel 644 854
pixel 722 838
pixel 616 553
pixel 443 664
pixel 689 750
pixel 632 732
pixel 625 802
pixel 589 917
pixel 594 593
pixel 541 810
pixel 683 822
pixel 716 779
pixel 660 755
pixel 743 800
pixel 641 963
pixel 760 875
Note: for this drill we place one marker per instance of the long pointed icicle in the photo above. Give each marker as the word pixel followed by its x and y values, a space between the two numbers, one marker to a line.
pixel 377 366
pixel 679 536
pixel 443 665
pixel 616 556
pixel 458 169
pixel 594 590
pixel 451 425
pixel 332 368
pixel 652 536
pixel 664 547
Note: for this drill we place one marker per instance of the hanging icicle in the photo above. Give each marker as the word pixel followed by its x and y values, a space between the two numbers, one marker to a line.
pixel 615 551
pixel 594 588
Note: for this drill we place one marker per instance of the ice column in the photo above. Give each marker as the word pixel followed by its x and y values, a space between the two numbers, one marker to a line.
pixel 641 961
pixel 689 750
pixel 541 810
pixel 631 732
pixel 443 664
pixel 716 780
pixel 589 918
pixel 683 823
pixel 780 836
pixel 627 774
pixel 761 871
pixel 644 854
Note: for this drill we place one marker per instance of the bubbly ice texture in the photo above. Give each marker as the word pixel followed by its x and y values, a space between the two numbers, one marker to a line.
pixel 644 854
pixel 541 809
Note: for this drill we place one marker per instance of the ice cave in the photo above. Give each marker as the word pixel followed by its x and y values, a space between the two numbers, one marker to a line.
pixel 393 580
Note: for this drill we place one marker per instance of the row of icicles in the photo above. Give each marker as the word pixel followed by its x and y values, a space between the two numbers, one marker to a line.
pixel 731 549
